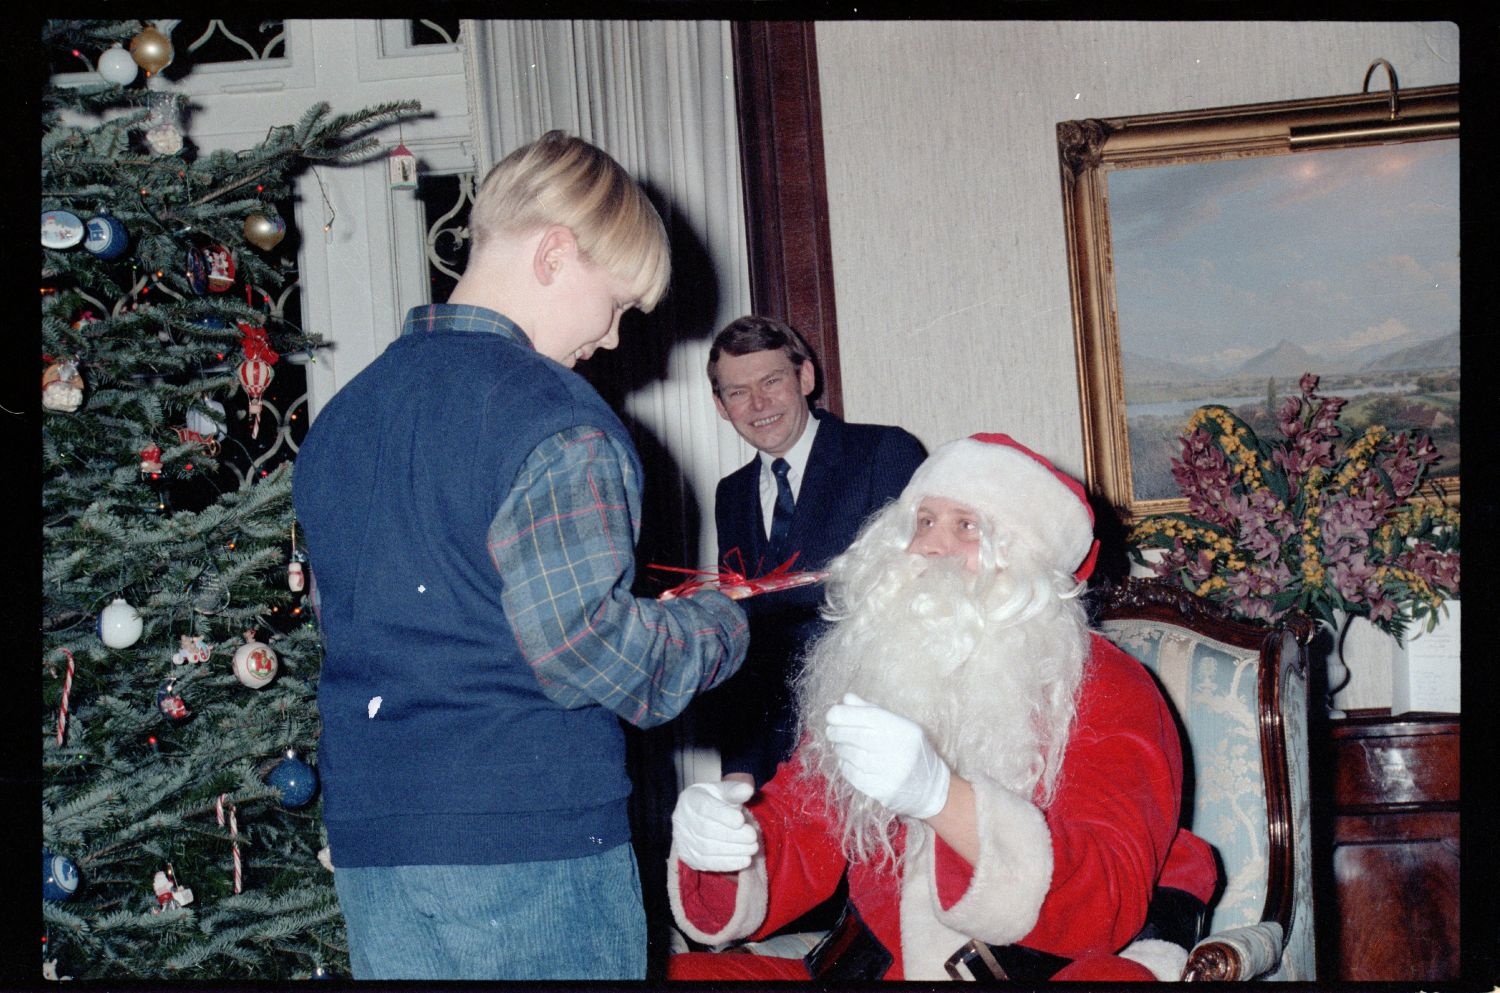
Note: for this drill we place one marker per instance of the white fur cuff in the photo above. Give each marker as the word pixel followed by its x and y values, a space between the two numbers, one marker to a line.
pixel 750 901
pixel 1165 960
pixel 1014 872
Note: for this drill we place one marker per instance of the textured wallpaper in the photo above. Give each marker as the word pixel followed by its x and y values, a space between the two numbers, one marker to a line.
pixel 945 200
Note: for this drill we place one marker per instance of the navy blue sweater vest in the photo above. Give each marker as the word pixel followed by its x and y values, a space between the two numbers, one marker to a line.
pixel 438 745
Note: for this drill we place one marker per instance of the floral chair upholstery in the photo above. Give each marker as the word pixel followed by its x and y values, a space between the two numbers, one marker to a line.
pixel 1240 691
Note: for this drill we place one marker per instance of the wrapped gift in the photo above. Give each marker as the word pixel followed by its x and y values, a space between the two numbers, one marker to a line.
pixel 734 584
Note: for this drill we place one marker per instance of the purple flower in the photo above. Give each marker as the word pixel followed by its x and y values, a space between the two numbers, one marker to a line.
pixel 1348 491
pixel 1440 570
pixel 1251 589
pixel 1354 578
pixel 1357 513
pixel 1382 608
pixel 1261 529
pixel 1289 417
pixel 1203 474
pixel 1407 460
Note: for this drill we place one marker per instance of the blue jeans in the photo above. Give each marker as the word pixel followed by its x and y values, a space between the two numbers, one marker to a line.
pixel 570 919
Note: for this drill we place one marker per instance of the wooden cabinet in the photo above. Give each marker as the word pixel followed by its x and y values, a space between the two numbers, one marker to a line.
pixel 1395 852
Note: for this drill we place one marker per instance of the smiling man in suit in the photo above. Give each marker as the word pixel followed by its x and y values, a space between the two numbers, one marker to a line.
pixel 813 482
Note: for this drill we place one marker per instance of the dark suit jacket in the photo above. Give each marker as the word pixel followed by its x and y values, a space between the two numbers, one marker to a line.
pixel 852 471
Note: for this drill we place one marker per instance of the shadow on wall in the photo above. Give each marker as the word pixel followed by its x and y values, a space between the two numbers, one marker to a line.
pixel 671 521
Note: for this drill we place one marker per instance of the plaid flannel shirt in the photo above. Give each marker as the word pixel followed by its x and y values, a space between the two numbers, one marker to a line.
pixel 563 542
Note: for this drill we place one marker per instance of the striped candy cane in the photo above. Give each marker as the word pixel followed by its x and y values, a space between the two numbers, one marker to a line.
pixel 234 833
pixel 62 709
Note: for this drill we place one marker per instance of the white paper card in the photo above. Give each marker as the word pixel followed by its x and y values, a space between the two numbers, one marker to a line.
pixel 1425 677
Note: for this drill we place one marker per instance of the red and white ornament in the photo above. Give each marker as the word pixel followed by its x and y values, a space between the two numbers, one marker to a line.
pixel 403 165
pixel 234 839
pixel 151 459
pixel 255 664
pixel 171 703
pixel 195 648
pixel 62 707
pixel 255 372
pixel 204 429
pixel 168 893
pixel 220 265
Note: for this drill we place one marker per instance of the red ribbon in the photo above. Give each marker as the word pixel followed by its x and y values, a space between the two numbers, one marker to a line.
pixel 256 343
pixel 726 576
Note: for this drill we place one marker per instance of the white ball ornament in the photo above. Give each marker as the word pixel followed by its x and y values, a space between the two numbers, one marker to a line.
pixel 119 624
pixel 117 66
pixel 255 663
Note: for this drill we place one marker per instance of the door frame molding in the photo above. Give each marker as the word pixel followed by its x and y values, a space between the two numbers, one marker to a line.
pixel 785 188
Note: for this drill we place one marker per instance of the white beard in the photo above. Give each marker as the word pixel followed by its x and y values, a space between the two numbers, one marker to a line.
pixel 989 668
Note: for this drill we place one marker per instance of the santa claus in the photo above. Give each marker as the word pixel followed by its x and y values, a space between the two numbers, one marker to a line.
pixel 1001 785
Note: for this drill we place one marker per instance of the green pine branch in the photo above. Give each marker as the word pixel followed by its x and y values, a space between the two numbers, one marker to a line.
pixel 199 548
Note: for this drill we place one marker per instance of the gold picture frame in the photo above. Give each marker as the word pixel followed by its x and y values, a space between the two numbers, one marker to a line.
pixel 1305 133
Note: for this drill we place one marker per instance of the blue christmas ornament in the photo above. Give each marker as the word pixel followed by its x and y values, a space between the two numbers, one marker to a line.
pixel 105 237
pixel 295 779
pixel 59 876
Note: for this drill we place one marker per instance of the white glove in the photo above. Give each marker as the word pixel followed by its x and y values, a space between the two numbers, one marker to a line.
pixel 888 758
pixel 711 829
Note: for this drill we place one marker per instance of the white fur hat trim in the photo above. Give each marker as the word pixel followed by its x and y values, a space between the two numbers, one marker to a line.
pixel 1019 491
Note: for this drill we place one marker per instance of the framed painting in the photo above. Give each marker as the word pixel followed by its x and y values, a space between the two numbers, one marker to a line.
pixel 1217 255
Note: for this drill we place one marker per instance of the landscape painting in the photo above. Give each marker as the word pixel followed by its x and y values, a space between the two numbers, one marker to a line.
pixel 1218 255
pixel 1233 278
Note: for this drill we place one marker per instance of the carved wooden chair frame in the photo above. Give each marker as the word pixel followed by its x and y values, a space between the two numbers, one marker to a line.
pixel 1168 603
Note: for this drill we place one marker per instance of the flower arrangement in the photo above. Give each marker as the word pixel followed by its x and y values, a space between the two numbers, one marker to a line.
pixel 1319 521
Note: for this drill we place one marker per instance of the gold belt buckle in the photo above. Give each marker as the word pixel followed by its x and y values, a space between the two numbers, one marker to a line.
pixel 967 954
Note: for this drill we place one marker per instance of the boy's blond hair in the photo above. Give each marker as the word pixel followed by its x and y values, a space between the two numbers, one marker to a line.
pixel 560 179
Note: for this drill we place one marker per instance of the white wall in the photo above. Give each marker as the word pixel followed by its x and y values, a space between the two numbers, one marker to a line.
pixel 945 203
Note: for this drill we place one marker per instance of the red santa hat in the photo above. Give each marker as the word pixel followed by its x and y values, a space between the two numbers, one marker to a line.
pixel 1020 491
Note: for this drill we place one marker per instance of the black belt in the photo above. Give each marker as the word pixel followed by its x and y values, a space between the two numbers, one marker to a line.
pixel 1173 915
pixel 851 952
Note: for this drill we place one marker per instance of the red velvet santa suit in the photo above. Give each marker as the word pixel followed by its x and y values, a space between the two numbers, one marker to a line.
pixel 1073 880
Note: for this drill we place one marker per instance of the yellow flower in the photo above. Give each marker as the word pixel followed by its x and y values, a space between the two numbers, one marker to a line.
pixel 1210 585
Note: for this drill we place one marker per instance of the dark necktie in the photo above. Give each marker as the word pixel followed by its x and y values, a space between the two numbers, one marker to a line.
pixel 781 517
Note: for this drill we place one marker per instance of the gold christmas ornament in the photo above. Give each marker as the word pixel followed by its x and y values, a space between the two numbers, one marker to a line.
pixel 264 232
pixel 151 50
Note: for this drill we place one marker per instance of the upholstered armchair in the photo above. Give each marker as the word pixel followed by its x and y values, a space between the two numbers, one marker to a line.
pixel 1241 693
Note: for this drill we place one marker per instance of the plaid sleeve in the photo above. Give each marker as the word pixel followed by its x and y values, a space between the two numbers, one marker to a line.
pixel 563 542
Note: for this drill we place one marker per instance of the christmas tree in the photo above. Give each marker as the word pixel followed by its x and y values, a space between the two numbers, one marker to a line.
pixel 181 828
